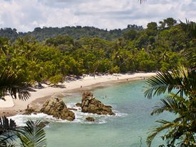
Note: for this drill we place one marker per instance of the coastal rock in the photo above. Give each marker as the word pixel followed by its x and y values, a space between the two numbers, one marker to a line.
pixel 78 104
pixel 92 105
pixel 29 111
pixel 91 119
pixel 57 108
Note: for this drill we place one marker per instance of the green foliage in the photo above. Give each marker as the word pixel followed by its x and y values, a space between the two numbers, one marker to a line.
pixel 182 103
pixel 7 131
pixel 45 33
pixel 180 86
pixel 133 49
pixel 55 79
pixel 50 54
pixel 31 135
pixel 15 85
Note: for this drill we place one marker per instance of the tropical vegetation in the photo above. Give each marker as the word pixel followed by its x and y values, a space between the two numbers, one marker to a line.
pixel 50 55
pixel 180 86
pixel 30 135
pixel 159 47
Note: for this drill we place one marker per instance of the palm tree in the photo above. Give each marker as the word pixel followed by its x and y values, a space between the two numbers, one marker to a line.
pixel 17 86
pixel 13 84
pixel 180 85
pixel 31 135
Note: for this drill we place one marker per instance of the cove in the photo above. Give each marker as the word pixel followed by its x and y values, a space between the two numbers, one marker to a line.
pixel 128 128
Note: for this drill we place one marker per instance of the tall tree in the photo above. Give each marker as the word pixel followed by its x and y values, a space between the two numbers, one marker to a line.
pixel 180 85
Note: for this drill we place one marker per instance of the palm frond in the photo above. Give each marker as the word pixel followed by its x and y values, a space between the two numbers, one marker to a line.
pixel 33 135
pixel 181 80
pixel 7 130
pixel 6 124
pixel 6 140
pixel 180 85
pixel 165 125
pixel 165 105
pixel 190 55
pixel 172 103
pixel 183 76
pixel 160 83
pixel 14 85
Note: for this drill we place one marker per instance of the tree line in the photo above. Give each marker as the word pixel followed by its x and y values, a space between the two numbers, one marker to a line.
pixel 168 48
pixel 75 32
pixel 156 48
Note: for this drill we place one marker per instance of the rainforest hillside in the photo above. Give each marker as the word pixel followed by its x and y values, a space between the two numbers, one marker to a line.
pixel 51 54
pixel 77 32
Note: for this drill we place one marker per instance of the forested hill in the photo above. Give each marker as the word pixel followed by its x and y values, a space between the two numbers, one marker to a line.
pixel 77 32
pixel 50 54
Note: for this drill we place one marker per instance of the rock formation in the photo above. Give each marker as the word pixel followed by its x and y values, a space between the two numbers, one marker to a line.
pixel 57 108
pixel 92 105
pixel 90 119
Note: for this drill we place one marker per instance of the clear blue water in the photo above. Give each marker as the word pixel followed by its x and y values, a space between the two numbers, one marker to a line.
pixel 128 128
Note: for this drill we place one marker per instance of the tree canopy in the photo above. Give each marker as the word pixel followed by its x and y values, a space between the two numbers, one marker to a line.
pixel 56 56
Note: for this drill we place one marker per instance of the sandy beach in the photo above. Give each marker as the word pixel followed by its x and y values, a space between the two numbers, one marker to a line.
pixel 11 106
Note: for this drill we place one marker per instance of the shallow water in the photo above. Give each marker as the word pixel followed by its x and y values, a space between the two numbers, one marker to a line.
pixel 128 128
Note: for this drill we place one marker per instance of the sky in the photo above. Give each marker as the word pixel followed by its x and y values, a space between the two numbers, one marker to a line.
pixel 25 15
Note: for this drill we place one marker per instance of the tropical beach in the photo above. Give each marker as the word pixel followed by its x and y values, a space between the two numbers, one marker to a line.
pixel 97 73
pixel 131 122
pixel 9 106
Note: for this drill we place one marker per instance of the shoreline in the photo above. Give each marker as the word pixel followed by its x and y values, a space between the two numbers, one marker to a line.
pixel 12 107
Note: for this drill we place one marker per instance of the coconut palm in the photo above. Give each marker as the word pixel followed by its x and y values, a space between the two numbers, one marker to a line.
pixel 31 135
pixel 182 129
pixel 13 80
pixel 13 84
pixel 180 84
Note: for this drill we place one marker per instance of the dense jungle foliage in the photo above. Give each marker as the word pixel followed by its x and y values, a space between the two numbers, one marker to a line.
pixel 51 54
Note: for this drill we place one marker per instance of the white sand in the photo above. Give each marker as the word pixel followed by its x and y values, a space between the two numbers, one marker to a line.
pixel 81 83
pixel 6 102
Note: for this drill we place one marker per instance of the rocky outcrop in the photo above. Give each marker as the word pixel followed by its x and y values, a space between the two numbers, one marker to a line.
pixel 57 108
pixel 91 119
pixel 92 105
pixel 30 111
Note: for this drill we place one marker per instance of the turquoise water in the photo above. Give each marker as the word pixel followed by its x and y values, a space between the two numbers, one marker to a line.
pixel 129 128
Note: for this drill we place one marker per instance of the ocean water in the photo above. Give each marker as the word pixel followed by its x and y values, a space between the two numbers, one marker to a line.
pixel 128 128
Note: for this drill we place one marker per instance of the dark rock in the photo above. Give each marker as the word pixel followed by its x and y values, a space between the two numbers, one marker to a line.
pixel 72 109
pixel 29 111
pixel 78 104
pixel 92 105
pixel 90 119
pixel 57 108
pixel 87 95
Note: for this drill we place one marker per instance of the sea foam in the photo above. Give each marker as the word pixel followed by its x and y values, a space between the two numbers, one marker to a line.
pixel 80 117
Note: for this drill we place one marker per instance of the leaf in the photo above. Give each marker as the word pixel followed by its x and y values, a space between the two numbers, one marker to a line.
pixel 14 85
pixel 7 130
pixel 33 134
